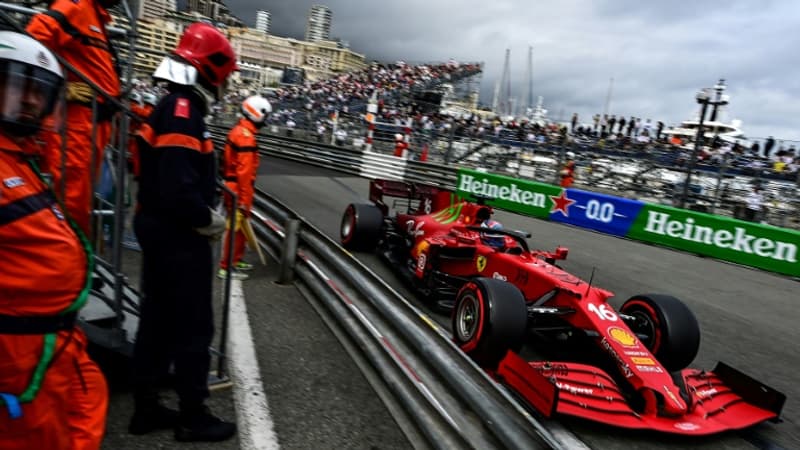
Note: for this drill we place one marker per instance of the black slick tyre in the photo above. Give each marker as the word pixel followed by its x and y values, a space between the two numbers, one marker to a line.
pixel 361 226
pixel 489 319
pixel 666 326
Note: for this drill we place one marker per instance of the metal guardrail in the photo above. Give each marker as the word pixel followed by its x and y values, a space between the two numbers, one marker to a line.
pixel 451 401
pixel 348 160
pixel 648 183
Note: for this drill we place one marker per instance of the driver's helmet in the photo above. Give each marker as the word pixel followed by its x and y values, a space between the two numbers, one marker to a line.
pixel 493 239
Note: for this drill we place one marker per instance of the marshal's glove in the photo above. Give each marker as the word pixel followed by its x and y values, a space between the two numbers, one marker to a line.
pixel 215 229
pixel 78 91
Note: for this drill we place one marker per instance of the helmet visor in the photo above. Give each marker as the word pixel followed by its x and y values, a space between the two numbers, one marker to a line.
pixel 28 95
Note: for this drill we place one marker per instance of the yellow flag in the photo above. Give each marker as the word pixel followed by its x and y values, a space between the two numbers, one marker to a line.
pixel 252 240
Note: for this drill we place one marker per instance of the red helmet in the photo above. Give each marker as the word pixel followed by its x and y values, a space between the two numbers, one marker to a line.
pixel 208 51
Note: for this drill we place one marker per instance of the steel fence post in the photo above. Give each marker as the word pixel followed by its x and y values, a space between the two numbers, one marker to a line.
pixel 289 252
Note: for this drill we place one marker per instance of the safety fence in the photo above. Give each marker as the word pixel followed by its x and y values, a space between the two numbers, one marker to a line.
pixel 762 246
pixel 654 175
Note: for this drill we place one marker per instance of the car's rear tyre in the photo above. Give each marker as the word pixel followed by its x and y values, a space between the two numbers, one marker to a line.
pixel 489 319
pixel 361 226
pixel 671 329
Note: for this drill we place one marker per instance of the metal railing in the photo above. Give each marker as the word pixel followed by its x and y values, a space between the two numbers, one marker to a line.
pixel 641 176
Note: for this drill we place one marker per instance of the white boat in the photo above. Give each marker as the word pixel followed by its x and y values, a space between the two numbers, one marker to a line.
pixel 727 131
pixel 537 115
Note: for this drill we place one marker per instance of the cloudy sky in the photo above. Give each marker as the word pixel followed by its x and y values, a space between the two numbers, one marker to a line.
pixel 658 53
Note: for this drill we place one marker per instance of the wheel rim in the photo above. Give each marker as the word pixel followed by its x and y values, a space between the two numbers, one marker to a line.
pixel 347 224
pixel 467 318
pixel 644 326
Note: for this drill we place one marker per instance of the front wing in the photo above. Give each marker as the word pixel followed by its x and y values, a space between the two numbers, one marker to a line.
pixel 722 400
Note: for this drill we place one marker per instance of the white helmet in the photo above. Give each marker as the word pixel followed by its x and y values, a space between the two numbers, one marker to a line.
pixel 398 137
pixel 149 98
pixel 256 108
pixel 26 64
pixel 178 72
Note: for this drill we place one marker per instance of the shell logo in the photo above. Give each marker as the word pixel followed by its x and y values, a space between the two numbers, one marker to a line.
pixel 622 336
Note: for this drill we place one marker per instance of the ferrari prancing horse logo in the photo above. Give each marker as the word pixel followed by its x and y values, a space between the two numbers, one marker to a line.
pixel 481 262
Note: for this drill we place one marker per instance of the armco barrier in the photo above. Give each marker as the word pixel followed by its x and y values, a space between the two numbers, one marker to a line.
pixel 762 246
pixel 452 402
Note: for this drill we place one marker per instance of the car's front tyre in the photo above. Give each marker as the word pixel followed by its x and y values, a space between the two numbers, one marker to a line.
pixel 669 327
pixel 489 319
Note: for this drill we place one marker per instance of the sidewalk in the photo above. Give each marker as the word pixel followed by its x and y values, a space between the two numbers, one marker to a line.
pixel 120 408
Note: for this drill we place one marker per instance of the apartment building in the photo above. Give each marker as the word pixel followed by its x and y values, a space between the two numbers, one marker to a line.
pixel 263 21
pixel 318 27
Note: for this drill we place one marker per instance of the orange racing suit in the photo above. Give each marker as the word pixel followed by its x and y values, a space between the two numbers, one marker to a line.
pixel 51 394
pixel 143 112
pixel 239 168
pixel 567 174
pixel 76 31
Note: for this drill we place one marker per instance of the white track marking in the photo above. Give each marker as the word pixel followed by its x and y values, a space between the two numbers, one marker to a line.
pixel 256 429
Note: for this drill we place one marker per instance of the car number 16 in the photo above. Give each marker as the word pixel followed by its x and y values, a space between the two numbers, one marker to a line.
pixel 604 312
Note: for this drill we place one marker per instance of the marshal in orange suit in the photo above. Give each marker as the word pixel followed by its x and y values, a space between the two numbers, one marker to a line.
pixel 52 395
pixel 76 31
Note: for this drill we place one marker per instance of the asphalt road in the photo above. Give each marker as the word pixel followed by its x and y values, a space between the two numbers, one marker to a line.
pixel 748 318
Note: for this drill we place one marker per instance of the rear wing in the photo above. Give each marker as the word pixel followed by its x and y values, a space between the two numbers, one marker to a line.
pixel 414 198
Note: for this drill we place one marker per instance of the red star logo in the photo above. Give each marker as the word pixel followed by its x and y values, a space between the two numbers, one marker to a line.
pixel 561 203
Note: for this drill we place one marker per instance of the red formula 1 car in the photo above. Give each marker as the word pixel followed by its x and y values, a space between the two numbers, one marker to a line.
pixel 626 367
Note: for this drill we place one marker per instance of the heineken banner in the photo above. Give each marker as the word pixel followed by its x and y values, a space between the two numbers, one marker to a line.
pixel 524 197
pixel 763 246
pixel 747 243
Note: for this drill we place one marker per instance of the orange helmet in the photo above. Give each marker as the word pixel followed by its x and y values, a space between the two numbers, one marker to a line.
pixel 208 51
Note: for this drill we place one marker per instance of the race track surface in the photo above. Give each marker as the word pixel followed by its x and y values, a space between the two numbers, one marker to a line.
pixel 748 318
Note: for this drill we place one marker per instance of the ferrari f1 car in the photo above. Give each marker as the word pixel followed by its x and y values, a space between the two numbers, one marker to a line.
pixel 626 367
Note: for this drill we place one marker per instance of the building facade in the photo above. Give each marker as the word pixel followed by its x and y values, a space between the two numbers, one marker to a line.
pixel 156 37
pixel 155 9
pixel 216 10
pixel 318 27
pixel 263 57
pixel 324 59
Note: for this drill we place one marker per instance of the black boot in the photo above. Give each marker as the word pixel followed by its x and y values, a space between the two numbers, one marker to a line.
pixel 198 424
pixel 152 417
